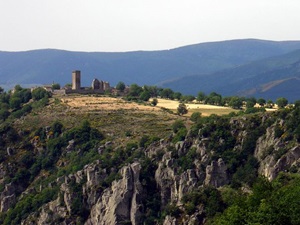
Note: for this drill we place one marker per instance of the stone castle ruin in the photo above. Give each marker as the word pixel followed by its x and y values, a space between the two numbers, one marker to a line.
pixel 97 87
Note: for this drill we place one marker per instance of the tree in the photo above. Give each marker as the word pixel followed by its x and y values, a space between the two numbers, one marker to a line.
pixel 281 102
pixel 40 93
pixel 120 86
pixel 145 95
pixel 153 90
pixel 213 99
pixel 235 102
pixel 135 90
pixel 56 86
pixel 167 93
pixel 250 102
pixel 261 102
pixel 188 98
pixel 17 88
pixel 201 96
pixel 154 102
pixel 1 90
pixel 177 95
pixel 182 109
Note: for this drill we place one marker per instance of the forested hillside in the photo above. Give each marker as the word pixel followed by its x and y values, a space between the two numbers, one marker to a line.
pixel 123 165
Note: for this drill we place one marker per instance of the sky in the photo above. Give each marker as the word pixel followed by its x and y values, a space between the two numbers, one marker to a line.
pixel 130 25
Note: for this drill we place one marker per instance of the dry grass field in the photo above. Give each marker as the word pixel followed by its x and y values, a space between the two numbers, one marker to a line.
pixel 119 120
pixel 205 110
pixel 93 103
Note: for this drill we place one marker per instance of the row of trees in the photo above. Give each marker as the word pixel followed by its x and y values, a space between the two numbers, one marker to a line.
pixel 238 102
pixel 144 93
pixel 136 92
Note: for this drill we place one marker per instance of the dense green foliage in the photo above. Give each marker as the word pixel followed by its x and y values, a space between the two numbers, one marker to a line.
pixel 16 103
pixel 275 202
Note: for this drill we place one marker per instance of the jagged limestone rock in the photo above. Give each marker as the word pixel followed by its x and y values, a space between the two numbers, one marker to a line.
pixel 169 220
pixel 121 202
pixel 166 180
pixel 174 186
pixel 8 197
pixel 216 174
pixel 270 168
pixel 58 213
pixel 264 143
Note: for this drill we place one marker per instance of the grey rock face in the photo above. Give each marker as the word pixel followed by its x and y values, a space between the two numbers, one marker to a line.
pixel 121 202
pixel 216 174
pixel 267 147
pixel 7 197
pixel 169 220
pixel 172 184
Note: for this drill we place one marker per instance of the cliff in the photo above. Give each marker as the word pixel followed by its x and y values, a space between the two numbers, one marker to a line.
pixel 165 182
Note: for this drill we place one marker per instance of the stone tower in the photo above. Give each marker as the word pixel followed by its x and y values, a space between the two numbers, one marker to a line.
pixel 76 80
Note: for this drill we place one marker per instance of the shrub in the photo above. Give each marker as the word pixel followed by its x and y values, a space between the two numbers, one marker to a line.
pixel 177 125
pixel 182 109
pixel 15 103
pixel 180 135
pixel 4 114
pixel 278 132
pixel 154 102
pixel 195 116
pixel 143 141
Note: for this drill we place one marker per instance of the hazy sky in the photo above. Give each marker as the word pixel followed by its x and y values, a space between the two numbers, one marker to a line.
pixel 126 25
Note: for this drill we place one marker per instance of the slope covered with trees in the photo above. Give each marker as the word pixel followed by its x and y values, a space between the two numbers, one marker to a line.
pixel 63 165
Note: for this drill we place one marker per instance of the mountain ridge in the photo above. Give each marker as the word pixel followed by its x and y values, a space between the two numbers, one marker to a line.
pixel 141 67
pixel 241 79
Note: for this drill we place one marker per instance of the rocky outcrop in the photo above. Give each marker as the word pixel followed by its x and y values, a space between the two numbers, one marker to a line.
pixel 172 184
pixel 270 167
pixel 58 213
pixel 118 204
pixel 121 202
pixel 264 143
pixel 274 156
pixel 167 180
pixel 216 174
pixel 196 218
pixel 169 220
pixel 8 197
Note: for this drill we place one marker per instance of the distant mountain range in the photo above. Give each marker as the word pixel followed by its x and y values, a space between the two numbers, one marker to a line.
pixel 269 78
pixel 238 67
